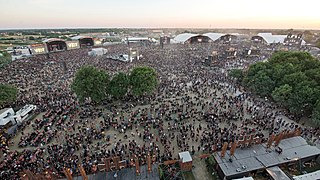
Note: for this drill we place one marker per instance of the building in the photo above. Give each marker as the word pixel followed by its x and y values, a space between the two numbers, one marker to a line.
pixel 258 158
pixel 185 161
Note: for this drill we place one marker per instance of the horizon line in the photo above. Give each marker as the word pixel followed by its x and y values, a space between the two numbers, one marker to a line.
pixel 199 28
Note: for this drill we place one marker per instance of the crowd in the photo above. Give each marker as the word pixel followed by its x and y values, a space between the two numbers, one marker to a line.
pixel 195 108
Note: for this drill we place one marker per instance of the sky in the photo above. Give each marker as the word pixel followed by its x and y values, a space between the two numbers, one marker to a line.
pixel 262 14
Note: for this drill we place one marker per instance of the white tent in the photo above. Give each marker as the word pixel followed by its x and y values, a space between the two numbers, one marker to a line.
pixel 98 52
pixel 270 38
pixel 181 38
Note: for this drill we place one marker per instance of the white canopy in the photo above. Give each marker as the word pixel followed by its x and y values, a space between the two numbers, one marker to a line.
pixel 98 52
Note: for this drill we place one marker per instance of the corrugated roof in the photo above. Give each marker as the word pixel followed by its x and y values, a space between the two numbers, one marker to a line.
pixel 256 157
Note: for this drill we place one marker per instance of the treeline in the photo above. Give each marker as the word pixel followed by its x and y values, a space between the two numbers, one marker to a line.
pixel 64 31
pixel 96 84
pixel 292 79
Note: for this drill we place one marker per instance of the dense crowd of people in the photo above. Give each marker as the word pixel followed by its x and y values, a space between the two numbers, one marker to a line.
pixel 195 108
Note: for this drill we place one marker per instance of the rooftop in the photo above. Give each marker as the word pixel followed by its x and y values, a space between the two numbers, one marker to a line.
pixel 4 110
pixel 185 156
pixel 256 157
pixel 126 173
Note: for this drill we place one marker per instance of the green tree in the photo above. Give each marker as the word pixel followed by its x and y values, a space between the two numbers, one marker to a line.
pixel 303 98
pixel 291 78
pixel 261 84
pixel 316 113
pixel 90 82
pixel 143 80
pixel 282 94
pixel 8 94
pixel 236 73
pixel 118 86
pixel 278 71
pixel 294 78
pixel 314 74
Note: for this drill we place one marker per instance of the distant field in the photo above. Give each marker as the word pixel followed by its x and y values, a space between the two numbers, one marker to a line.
pixel 8 41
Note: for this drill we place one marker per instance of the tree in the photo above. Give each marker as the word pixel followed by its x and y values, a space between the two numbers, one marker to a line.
pixel 8 94
pixel 261 84
pixel 291 78
pixel 314 74
pixel 236 73
pixel 90 82
pixel 118 86
pixel 294 78
pixel 143 80
pixel 316 113
pixel 303 98
pixel 282 94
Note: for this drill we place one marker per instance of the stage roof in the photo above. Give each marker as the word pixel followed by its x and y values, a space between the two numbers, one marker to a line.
pixel 53 39
pixel 181 38
pixel 214 36
pixel 270 38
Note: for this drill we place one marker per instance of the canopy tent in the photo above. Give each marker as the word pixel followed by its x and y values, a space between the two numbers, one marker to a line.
pixel 97 52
